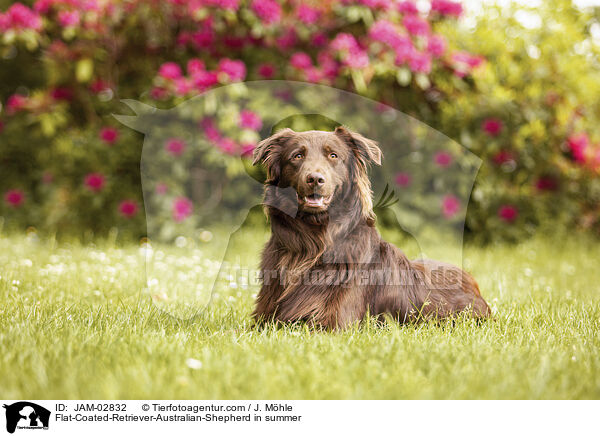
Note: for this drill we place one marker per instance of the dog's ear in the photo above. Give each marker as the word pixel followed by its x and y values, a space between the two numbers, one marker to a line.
pixel 366 150
pixel 265 148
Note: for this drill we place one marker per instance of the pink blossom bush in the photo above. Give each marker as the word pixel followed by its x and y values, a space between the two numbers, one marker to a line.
pixel 93 54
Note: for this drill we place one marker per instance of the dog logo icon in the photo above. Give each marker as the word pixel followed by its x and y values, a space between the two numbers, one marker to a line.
pixel 26 415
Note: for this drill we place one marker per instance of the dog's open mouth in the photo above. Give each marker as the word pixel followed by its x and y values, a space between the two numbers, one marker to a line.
pixel 314 200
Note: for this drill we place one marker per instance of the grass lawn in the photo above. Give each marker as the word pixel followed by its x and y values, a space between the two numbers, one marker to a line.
pixel 77 322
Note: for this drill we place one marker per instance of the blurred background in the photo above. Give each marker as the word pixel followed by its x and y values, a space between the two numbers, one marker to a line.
pixel 517 84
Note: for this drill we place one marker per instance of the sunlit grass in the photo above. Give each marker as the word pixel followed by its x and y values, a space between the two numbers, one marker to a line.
pixel 78 322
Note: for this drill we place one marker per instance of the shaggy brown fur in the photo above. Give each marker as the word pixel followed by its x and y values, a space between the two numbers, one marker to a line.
pixel 325 262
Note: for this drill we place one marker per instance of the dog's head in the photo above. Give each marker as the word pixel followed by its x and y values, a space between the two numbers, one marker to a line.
pixel 323 168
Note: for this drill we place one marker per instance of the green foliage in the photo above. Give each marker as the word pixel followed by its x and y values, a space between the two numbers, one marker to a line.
pixel 541 80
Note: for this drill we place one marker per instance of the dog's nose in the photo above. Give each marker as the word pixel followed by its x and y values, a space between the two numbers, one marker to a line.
pixel 315 179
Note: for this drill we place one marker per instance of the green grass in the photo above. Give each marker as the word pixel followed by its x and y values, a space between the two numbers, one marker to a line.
pixel 77 322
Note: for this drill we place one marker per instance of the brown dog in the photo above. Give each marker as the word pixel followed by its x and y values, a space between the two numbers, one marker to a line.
pixel 325 262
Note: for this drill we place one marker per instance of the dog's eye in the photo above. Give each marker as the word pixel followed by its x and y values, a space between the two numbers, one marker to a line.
pixel 298 156
pixel 333 155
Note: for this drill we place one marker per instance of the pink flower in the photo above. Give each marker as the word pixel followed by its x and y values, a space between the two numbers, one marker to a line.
pixel 436 45
pixel 356 58
pixel 344 41
pixel 329 65
pixel 287 40
pixel 231 5
pixel 250 120
pixel 578 144
pixel 235 70
pixel 20 17
pixel 450 206
pixel 269 11
pixel 407 7
pixel 415 25
pixel 195 66
pixel 300 61
pixel 204 80
pixel 266 71
pixel 403 179
pixel 210 129
pixel 502 157
pixel 15 103
pixel 183 86
pixel 94 182
pixel 508 213
pixel 203 38
pixel 128 208
pixel 182 208
pixel 110 135
pixel 419 62
pixel 14 198
pixel 351 52
pixel 385 32
pixel 307 15
pixel 546 183
pixel 43 6
pixel 175 146
pixel 161 188
pixel 69 18
pixel 492 126
pixel 318 39
pixel 405 52
pixel 442 159
pixel 445 7
pixel 170 71
pixel 313 75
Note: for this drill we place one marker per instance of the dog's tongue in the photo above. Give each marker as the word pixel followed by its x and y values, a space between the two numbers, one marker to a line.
pixel 314 200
